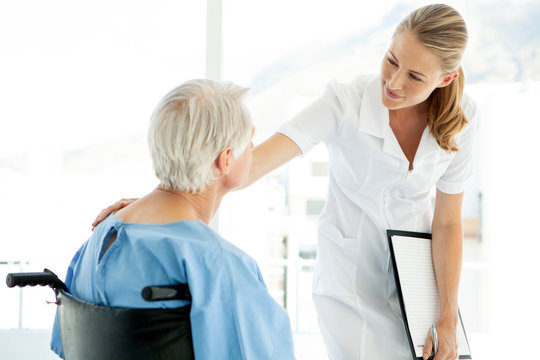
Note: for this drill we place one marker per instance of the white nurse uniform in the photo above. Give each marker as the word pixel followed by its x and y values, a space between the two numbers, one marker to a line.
pixel 370 190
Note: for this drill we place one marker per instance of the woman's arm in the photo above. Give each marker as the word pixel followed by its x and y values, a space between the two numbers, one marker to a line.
pixel 447 233
pixel 271 154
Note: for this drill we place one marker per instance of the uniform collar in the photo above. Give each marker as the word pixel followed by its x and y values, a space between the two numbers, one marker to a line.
pixel 373 117
pixel 374 120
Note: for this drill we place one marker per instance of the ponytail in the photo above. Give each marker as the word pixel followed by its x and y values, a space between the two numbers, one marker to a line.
pixel 445 114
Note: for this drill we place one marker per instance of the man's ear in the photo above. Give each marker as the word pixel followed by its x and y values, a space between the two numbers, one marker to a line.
pixel 448 79
pixel 224 161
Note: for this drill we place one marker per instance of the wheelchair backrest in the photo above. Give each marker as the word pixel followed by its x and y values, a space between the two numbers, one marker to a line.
pixel 94 332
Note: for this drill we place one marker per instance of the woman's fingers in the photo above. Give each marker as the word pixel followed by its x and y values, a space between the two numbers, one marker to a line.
pixel 110 209
pixel 446 354
pixel 448 349
pixel 428 347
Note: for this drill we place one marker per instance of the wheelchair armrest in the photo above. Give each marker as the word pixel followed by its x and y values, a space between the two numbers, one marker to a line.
pixel 168 292
pixel 45 278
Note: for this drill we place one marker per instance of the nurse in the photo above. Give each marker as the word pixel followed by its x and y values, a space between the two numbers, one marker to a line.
pixel 391 139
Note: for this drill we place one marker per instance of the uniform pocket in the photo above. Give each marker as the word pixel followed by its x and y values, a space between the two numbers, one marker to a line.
pixel 330 232
pixel 336 270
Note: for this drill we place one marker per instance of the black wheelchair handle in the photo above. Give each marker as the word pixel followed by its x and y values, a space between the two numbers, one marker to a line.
pixel 45 278
pixel 168 292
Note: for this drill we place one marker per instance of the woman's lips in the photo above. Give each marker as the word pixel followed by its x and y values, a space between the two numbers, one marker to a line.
pixel 391 94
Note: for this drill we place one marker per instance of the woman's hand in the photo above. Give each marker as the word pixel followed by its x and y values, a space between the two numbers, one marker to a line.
pixel 110 209
pixel 447 338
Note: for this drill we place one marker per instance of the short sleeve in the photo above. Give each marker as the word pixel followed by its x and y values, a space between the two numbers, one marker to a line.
pixel 233 316
pixel 319 121
pixel 459 173
pixel 263 325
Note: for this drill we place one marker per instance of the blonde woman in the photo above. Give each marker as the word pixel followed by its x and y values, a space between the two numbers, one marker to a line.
pixel 390 138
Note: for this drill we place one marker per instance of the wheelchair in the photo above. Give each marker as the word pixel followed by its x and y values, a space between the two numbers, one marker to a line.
pixel 93 332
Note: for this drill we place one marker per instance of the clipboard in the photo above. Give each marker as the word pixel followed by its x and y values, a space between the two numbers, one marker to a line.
pixel 417 289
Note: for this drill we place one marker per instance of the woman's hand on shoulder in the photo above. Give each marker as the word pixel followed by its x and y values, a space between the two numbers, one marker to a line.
pixel 122 203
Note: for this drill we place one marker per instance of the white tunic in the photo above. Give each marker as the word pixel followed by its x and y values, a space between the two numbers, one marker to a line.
pixel 370 190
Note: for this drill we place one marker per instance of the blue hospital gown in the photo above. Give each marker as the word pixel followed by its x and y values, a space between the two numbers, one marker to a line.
pixel 232 314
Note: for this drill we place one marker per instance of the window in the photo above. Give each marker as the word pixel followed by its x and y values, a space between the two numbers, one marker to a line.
pixel 79 83
pixel 319 169
pixel 314 207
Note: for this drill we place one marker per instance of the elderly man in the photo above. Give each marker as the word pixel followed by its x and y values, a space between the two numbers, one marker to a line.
pixel 200 141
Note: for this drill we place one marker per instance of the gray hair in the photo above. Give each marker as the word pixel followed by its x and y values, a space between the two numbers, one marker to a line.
pixel 191 126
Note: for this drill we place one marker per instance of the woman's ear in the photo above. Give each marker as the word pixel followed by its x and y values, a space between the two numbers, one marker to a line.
pixel 447 80
pixel 224 161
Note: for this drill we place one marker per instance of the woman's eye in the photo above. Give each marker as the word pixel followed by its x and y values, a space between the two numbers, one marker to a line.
pixel 392 62
pixel 414 77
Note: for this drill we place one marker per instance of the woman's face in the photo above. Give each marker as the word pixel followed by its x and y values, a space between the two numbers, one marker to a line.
pixel 409 73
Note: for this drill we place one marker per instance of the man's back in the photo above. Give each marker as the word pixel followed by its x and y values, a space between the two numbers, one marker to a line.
pixel 232 314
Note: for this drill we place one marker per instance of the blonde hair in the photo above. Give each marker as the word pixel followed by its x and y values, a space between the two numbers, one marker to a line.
pixel 191 126
pixel 441 29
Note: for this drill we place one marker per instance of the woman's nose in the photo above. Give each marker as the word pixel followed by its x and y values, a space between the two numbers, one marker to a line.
pixel 396 81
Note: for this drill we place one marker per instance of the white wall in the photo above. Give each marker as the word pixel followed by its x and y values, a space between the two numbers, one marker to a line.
pixel 515 215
